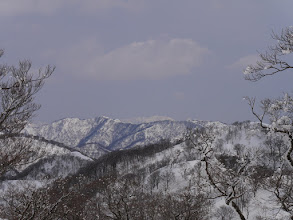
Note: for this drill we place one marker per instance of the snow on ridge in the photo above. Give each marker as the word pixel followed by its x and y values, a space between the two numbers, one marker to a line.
pixel 78 154
pixel 140 120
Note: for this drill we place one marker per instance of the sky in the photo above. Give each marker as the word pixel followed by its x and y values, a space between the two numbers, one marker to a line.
pixel 131 58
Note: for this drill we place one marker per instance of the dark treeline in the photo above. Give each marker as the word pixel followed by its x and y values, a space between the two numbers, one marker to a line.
pixel 107 164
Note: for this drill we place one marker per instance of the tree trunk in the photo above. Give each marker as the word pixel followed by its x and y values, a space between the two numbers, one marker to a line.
pixel 235 206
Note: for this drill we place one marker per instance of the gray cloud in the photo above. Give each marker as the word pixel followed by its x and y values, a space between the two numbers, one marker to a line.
pixel 152 59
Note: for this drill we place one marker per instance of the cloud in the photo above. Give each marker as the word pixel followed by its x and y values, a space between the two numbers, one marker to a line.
pixel 44 7
pixel 152 59
pixel 243 62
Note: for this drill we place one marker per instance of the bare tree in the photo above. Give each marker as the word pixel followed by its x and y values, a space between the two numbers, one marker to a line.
pixel 27 201
pixel 18 87
pixel 272 61
pixel 225 213
pixel 185 205
pixel 278 112
pixel 281 185
pixel 167 177
pixel 227 183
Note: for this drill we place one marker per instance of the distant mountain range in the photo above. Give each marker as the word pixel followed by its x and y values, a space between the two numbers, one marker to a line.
pixel 102 134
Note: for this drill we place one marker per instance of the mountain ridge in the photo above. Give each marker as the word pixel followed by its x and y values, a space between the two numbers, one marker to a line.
pixel 98 135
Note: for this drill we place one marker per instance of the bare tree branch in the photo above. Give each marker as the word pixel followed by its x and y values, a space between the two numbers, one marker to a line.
pixel 272 61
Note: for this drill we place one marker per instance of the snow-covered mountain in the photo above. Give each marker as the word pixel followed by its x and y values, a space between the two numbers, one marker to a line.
pixel 102 134
pixel 168 170
pixel 161 167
